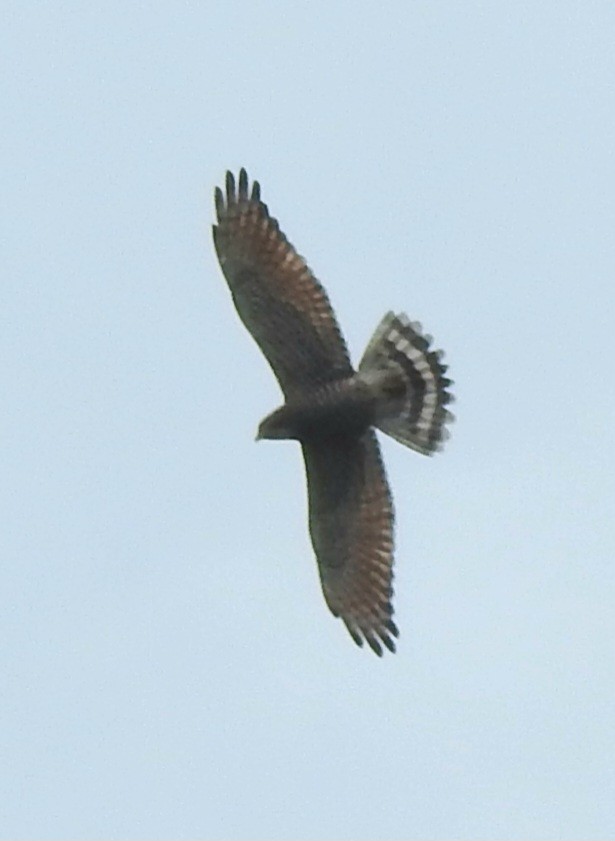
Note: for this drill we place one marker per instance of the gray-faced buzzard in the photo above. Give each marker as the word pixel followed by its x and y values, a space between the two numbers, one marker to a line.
pixel 400 388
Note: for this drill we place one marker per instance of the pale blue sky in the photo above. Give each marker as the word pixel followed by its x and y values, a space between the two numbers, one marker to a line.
pixel 169 668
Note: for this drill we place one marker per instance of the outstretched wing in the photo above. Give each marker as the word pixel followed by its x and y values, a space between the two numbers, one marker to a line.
pixel 351 526
pixel 276 295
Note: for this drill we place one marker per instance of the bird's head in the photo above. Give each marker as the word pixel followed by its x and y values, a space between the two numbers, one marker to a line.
pixel 276 426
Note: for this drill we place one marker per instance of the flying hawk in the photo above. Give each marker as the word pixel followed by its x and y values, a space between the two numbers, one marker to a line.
pixel 400 388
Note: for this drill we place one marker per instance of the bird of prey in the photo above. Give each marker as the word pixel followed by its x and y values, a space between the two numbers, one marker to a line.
pixel 332 409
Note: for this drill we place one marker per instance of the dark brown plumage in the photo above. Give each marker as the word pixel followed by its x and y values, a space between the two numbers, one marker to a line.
pixel 330 408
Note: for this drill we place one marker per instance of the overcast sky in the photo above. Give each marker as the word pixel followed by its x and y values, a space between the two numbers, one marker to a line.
pixel 168 666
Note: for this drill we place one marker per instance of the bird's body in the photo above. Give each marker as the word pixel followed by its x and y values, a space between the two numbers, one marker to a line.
pixel 349 405
pixel 331 408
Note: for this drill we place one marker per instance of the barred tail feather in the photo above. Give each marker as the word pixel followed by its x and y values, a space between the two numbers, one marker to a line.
pixel 420 423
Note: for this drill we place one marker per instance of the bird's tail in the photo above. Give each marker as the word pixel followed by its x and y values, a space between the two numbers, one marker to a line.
pixel 400 344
